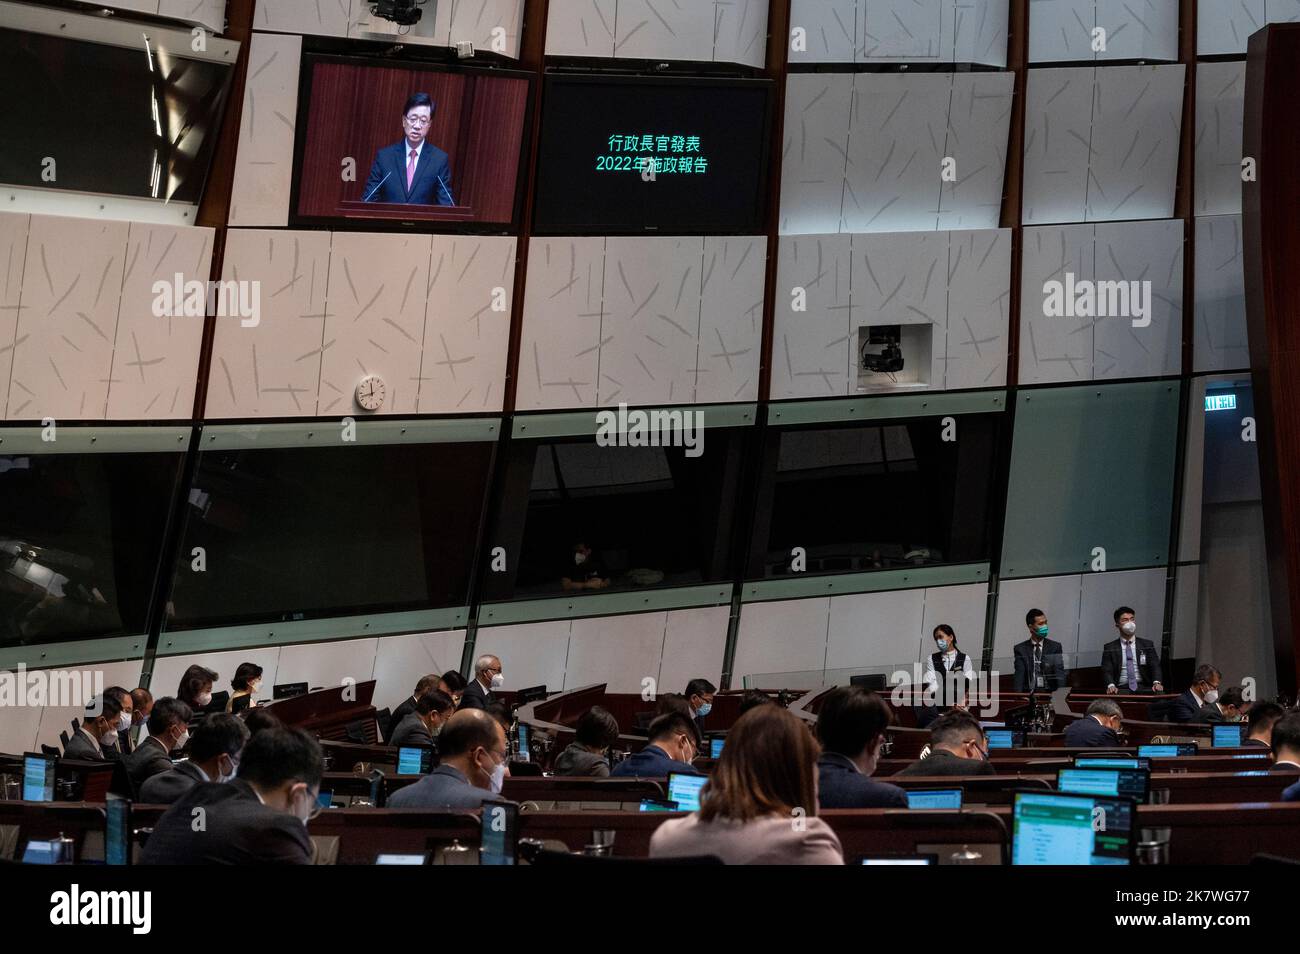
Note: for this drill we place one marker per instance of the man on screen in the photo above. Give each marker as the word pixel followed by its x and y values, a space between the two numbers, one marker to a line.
pixel 413 171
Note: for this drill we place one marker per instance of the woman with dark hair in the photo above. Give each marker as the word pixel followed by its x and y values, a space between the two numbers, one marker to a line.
pixel 248 679
pixel 195 689
pixel 759 806
pixel 586 755
pixel 948 671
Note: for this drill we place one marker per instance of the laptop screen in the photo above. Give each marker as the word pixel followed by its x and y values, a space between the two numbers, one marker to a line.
pixel 1166 751
pixel 1126 783
pixel 1056 829
pixel 1228 735
pixel 524 754
pixel 1084 762
pixel 715 747
pixel 1002 738
pixel 117 830
pixel 944 798
pixel 685 790
pixel 498 834
pixel 38 778
pixel 414 760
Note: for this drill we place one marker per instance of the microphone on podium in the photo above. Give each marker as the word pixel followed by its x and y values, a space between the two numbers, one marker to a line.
pixel 376 188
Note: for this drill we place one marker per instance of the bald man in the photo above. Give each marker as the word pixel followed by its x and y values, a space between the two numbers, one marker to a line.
pixel 473 753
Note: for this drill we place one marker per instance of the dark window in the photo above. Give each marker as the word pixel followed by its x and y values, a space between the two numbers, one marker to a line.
pixel 297 533
pixel 651 516
pixel 875 496
pixel 81 538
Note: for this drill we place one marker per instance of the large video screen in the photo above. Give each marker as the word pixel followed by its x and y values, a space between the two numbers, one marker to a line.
pixel 86 116
pixel 409 141
pixel 631 155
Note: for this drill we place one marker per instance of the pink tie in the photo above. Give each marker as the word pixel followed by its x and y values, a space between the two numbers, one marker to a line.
pixel 410 171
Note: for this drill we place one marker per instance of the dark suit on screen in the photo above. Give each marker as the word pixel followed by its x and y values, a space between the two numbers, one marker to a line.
pixel 426 189
pixel 1089 733
pixel 841 785
pixel 1112 664
pixel 1053 666
pixel 238 830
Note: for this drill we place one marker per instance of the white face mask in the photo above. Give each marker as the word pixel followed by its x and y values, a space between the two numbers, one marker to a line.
pixel 222 776
pixel 498 681
pixel 580 558
pixel 1129 628
pixel 185 737
pixel 204 699
pixel 109 737
pixel 497 777
pixel 124 721
pixel 1212 695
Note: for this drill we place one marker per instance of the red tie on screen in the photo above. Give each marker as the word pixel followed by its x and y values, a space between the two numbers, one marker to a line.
pixel 410 171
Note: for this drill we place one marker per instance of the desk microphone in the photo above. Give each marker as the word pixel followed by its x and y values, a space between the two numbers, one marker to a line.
pixel 450 200
pixel 376 188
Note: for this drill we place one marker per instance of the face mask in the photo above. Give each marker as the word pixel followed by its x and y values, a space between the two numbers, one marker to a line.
pixel 109 737
pixel 1041 631
pixel 498 681
pixel 254 687
pixel 1212 695
pixel 497 777
pixel 185 737
pixel 224 777
pixel 580 558
pixel 204 699
pixel 1128 629
pixel 124 721
pixel 942 644
pixel 304 818
pixel 704 709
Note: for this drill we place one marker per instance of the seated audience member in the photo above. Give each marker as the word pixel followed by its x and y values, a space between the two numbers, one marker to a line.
pixel 1186 707
pixel 98 729
pixel 957 747
pixel 195 690
pixel 851 727
pixel 259 818
pixel 587 754
pixel 423 725
pixel 672 702
pixel 472 748
pixel 1039 661
pixel 1099 726
pixel 673 743
pixel 120 744
pixel 1286 744
pixel 580 572
pixel 1130 663
pixel 1263 716
pixel 1291 793
pixel 1226 708
pixel 168 730
pixel 501 712
pixel 752 699
pixel 765 779
pixel 246 683
pixel 141 706
pixel 407 706
pixel 699 694
pixel 214 755
pixel 453 684
pixel 488 675
pixel 258 720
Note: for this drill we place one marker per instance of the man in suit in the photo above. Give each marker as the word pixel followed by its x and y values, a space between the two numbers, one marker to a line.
pixel 214 757
pixel 413 171
pixel 118 747
pixel 472 769
pixel 673 742
pixel 260 818
pixel 1263 717
pixel 1226 708
pixel 1039 661
pixel 423 726
pixel 99 723
pixel 1130 663
pixel 141 706
pixel 699 694
pixel 408 705
pixel 1204 688
pixel 1099 726
pixel 957 747
pixel 168 731
pixel 488 675
pixel 851 726
pixel 1286 744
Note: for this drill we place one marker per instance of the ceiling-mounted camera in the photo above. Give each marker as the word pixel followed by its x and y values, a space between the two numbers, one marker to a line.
pixel 403 12
pixel 881 351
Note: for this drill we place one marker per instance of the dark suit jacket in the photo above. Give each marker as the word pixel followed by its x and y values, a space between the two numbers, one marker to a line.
pixel 146 761
pixel 1210 712
pixel 412 731
pixel 1292 794
pixel 841 785
pixel 650 762
pixel 1185 708
pixel 1288 767
pixel 237 830
pixel 943 762
pixel 124 745
pixel 165 787
pixel 444 787
pixel 400 713
pixel 1112 664
pixel 476 697
pixel 1257 743
pixel 1053 665
pixel 1087 732
pixel 425 188
pixel 81 747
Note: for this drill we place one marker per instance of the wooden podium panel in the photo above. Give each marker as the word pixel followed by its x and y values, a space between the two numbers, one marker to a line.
pixel 406 211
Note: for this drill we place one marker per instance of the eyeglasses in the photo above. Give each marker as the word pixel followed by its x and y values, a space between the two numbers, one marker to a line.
pixel 418 120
